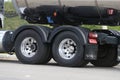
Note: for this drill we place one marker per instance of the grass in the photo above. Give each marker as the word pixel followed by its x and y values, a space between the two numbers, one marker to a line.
pixel 13 22
pixel 100 27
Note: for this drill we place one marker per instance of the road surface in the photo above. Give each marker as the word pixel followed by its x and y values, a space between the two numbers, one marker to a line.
pixel 12 69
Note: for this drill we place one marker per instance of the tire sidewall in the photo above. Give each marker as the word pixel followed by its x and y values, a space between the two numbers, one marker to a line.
pixel 41 49
pixel 78 58
pixel 109 59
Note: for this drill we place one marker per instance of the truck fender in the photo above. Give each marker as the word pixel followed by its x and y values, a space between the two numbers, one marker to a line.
pixel 108 36
pixel 42 31
pixel 82 32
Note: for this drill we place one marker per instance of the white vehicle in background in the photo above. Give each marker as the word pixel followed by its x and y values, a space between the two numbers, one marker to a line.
pixel 67 42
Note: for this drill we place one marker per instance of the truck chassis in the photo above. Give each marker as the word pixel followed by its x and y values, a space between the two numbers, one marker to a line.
pixel 67 43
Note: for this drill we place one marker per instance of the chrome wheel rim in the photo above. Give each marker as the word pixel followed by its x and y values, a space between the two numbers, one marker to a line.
pixel 29 47
pixel 67 49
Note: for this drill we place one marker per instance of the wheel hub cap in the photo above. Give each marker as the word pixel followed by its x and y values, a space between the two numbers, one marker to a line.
pixel 67 49
pixel 29 47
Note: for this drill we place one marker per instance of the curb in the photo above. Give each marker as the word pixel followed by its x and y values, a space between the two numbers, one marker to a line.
pixel 5 56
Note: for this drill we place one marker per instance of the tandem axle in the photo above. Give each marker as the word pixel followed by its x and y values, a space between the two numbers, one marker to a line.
pixel 66 42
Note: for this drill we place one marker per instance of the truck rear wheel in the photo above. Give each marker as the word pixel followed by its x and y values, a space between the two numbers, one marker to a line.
pixel 107 56
pixel 68 49
pixel 30 49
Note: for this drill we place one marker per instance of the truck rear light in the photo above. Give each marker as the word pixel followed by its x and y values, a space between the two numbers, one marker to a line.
pixel 93 38
pixel 93 35
pixel 93 41
pixel 55 14
pixel 110 11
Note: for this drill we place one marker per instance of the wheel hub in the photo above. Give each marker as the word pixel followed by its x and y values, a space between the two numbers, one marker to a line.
pixel 29 47
pixel 67 49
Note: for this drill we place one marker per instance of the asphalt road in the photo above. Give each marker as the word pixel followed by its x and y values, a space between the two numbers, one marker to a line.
pixel 12 69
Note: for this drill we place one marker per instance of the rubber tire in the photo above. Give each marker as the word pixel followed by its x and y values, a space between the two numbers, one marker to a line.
pixel 42 56
pixel 109 58
pixel 78 59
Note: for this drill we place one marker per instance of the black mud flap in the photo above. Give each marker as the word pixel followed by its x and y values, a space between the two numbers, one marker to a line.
pixel 91 51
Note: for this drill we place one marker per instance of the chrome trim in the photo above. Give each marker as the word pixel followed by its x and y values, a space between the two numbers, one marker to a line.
pixel 2 35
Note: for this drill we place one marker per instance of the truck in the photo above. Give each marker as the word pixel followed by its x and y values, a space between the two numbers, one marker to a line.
pixel 67 42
